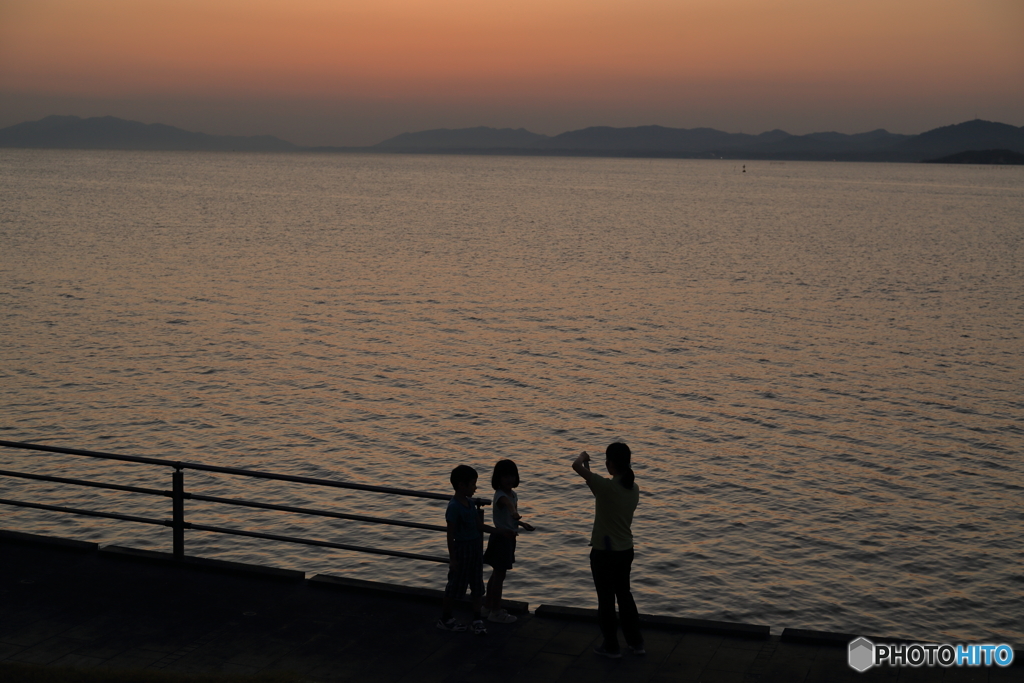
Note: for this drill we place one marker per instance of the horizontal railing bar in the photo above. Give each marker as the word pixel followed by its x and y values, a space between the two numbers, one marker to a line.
pixel 89 513
pixel 308 511
pixel 324 544
pixel 232 470
pixel 180 524
pixel 93 454
pixel 311 480
pixel 82 482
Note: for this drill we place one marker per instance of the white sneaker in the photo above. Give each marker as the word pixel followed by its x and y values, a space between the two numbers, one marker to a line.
pixel 501 616
pixel 451 625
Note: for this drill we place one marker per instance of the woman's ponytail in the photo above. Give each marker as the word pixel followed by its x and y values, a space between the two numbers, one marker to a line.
pixel 627 479
pixel 619 454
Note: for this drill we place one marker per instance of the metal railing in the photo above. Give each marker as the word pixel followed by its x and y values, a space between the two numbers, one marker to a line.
pixel 178 496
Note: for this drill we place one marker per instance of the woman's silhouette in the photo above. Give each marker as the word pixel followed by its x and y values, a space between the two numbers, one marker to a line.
pixel 611 554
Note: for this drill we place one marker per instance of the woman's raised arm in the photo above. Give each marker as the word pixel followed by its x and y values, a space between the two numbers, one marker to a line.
pixel 581 465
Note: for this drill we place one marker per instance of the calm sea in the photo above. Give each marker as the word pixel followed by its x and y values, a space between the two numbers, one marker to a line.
pixel 819 366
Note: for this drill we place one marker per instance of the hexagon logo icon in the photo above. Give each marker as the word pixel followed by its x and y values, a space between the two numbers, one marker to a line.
pixel 861 655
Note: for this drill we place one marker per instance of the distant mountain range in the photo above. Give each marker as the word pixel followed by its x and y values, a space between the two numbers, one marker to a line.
pixel 108 132
pixel 658 141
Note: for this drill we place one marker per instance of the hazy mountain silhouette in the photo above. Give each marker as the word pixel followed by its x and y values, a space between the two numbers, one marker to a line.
pixel 659 141
pixel 970 135
pixel 650 138
pixel 108 132
pixel 477 138
pixel 72 132
pixel 829 145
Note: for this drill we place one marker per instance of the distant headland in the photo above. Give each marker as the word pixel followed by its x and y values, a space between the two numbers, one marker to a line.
pixel 1001 157
pixel 974 141
pixel 109 132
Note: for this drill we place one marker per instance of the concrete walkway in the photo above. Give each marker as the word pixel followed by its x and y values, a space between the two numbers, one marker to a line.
pixel 72 604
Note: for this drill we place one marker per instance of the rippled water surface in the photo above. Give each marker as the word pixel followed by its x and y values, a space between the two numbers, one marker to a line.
pixel 818 366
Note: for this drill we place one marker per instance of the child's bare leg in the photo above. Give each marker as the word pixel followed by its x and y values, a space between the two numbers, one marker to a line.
pixel 494 586
pixel 489 596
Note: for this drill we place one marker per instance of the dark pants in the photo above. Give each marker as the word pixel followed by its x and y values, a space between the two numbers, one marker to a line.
pixel 611 579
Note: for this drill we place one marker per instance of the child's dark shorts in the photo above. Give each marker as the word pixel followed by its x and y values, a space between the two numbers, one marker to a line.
pixel 501 552
pixel 469 570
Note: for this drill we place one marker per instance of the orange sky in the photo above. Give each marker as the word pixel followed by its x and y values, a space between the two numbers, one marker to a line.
pixel 344 72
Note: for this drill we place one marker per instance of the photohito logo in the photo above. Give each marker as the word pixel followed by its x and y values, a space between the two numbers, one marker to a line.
pixel 863 654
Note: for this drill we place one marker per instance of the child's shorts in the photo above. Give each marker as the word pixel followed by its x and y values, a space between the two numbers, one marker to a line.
pixel 469 570
pixel 501 552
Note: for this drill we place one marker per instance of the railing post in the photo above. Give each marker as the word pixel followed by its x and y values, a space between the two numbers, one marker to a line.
pixel 178 513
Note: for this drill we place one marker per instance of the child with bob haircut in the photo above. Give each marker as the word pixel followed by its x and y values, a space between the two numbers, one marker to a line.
pixel 501 548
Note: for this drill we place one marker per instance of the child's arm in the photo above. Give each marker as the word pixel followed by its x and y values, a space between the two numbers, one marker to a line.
pixel 581 465
pixel 491 530
pixel 505 501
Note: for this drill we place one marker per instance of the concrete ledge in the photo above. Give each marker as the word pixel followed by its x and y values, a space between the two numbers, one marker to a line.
pixel 408 592
pixel 202 563
pixel 724 628
pixel 810 637
pixel 53 541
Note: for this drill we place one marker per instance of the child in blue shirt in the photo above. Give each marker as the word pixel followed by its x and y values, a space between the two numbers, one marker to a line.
pixel 465 550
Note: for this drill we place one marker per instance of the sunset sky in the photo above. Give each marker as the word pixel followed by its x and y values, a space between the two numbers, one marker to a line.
pixel 344 72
